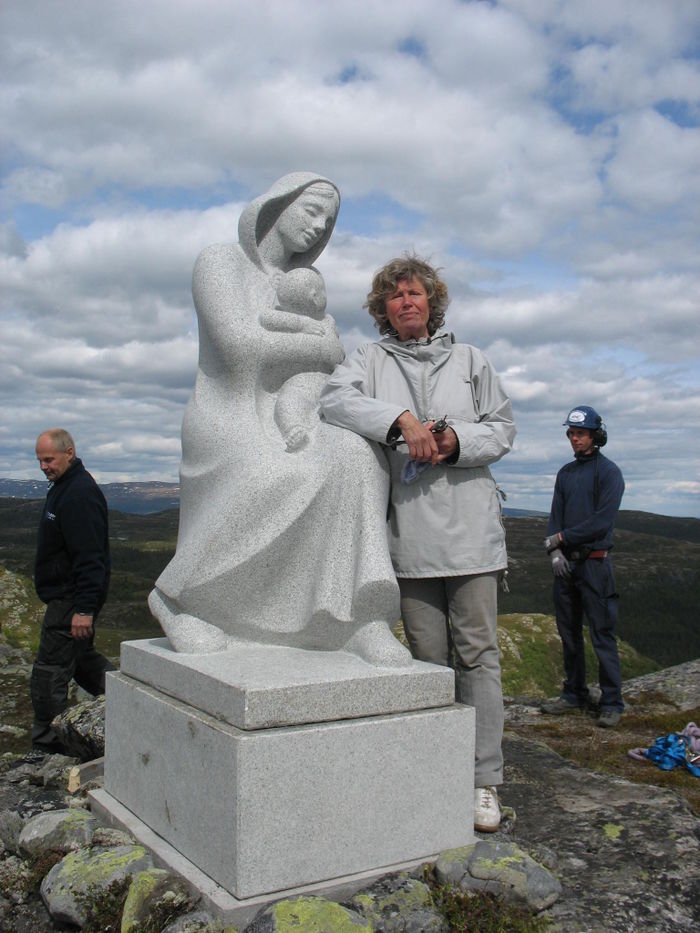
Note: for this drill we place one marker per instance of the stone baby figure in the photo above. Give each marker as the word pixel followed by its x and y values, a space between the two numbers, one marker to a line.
pixel 301 305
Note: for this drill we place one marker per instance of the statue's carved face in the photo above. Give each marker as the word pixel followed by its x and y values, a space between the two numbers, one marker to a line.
pixel 301 225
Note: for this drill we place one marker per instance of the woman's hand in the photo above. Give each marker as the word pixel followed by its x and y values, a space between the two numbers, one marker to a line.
pixel 422 444
pixel 446 442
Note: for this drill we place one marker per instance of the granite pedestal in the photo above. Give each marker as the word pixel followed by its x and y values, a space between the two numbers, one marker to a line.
pixel 275 768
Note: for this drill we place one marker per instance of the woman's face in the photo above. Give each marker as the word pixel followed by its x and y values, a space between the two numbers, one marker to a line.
pixel 301 225
pixel 408 309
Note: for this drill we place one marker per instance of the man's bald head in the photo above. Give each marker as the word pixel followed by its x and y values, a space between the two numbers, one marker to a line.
pixel 55 451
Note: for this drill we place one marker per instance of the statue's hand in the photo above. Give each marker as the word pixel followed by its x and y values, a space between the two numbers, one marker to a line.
pixel 296 438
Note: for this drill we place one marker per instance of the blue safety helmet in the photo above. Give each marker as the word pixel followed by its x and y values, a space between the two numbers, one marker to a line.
pixel 583 416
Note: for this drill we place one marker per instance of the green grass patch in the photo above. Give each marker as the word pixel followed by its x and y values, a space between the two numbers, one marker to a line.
pixel 531 659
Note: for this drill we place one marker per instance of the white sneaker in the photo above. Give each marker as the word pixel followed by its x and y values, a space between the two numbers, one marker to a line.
pixel 487 810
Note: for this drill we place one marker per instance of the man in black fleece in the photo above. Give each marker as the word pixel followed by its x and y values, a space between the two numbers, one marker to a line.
pixel 71 575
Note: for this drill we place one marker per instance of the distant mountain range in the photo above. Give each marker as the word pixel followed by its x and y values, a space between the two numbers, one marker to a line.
pixel 156 496
pixel 133 498
pixel 140 498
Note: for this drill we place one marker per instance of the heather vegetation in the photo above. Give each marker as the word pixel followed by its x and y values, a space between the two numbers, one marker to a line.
pixel 657 571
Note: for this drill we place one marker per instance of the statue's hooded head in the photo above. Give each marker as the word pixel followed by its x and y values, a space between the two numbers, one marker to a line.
pixel 261 215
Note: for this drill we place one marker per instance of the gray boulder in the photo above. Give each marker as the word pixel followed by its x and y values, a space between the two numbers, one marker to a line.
pixel 501 868
pixel 11 824
pixel 110 836
pixel 399 904
pixel 81 728
pixel 56 830
pixel 197 921
pixel 81 876
pixel 155 894
pixel 306 913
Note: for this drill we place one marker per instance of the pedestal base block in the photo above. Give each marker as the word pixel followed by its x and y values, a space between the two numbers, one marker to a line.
pixel 264 811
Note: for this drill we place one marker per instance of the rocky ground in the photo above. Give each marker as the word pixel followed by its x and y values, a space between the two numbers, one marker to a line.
pixel 621 836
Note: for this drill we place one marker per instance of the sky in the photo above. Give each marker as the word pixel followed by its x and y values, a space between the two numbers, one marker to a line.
pixel 544 153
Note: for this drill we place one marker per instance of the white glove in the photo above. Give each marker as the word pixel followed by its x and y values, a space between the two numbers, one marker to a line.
pixel 560 566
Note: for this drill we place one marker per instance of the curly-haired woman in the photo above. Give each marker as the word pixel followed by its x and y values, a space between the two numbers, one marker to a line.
pixel 442 413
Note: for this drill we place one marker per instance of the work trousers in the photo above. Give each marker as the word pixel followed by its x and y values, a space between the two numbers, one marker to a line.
pixel 59 659
pixel 590 590
pixel 453 621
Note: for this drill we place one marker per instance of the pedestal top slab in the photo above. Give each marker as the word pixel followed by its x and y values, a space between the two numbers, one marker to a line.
pixel 263 686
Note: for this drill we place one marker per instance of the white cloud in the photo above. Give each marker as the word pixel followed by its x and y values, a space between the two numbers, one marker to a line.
pixel 543 152
pixel 655 164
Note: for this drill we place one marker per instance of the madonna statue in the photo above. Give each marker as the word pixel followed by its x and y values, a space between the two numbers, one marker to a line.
pixel 279 542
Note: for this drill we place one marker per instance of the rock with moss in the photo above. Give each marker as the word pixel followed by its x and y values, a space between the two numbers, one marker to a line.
pixel 56 830
pixel 310 914
pixel 198 921
pixel 502 869
pixel 80 877
pixel 399 904
pixel 11 824
pixel 15 878
pixel 54 770
pixel 110 836
pixel 41 771
pixel 156 898
pixel 81 729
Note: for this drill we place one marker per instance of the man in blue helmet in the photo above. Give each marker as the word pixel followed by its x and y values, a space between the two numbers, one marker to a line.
pixel 587 495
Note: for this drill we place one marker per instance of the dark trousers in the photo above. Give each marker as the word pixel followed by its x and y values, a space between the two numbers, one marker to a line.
pixel 59 659
pixel 591 590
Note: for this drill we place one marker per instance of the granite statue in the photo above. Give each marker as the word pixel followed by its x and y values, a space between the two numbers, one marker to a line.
pixel 282 536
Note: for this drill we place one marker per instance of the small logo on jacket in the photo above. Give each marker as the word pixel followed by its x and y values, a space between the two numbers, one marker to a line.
pixel 51 516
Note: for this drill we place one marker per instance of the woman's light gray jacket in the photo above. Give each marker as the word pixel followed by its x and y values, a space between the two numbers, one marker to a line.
pixel 448 522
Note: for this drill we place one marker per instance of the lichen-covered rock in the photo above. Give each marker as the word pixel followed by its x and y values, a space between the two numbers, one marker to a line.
pixel 198 921
pixel 310 914
pixel 14 878
pixel 501 868
pixel 53 771
pixel 83 874
pixel 81 728
pixel 154 894
pixel 56 830
pixel 41 770
pixel 110 836
pixel 11 824
pixel 399 904
pixel 647 878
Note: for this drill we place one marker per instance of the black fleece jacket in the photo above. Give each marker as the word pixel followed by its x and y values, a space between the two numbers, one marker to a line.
pixel 72 558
